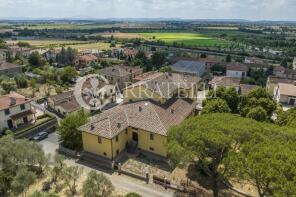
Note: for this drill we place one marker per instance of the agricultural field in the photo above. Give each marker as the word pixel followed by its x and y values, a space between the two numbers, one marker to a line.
pixel 42 44
pixel 220 28
pixel 79 45
pixel 94 45
pixel 122 35
pixel 188 39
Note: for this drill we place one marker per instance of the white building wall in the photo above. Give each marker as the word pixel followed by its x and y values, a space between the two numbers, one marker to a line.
pixel 13 111
pixel 236 74
pixel 294 63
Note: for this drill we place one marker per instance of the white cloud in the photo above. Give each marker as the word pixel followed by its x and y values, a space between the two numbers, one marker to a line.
pixel 192 9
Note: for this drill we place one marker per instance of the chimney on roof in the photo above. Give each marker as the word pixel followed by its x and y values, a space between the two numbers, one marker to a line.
pixel 172 111
pixel 140 108
pixel 12 101
pixel 166 75
pixel 92 127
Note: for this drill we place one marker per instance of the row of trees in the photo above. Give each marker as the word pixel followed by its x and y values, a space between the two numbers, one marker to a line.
pixel 63 176
pixel 54 75
pixel 23 163
pixel 156 61
pixel 50 75
pixel 257 104
pixel 228 147
pixel 66 56
pixel 19 81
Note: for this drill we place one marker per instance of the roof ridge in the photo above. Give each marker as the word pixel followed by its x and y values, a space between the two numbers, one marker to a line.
pixel 158 116
pixel 126 117
pixel 110 132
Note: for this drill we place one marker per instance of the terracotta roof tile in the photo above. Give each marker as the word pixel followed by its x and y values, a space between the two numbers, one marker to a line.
pixel 246 88
pixel 7 65
pixel 237 67
pixel 12 99
pixel 88 57
pixel 120 70
pixel 287 89
pixel 165 84
pixel 146 115
pixel 225 81
pixel 276 80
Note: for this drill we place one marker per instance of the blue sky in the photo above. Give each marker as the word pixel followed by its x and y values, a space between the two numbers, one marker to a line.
pixel 186 9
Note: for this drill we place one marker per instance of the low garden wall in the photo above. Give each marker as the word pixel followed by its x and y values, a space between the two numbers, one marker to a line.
pixel 48 126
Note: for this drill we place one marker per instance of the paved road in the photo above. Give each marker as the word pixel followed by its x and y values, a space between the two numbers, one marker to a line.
pixel 125 184
pixel 122 183
pixel 50 144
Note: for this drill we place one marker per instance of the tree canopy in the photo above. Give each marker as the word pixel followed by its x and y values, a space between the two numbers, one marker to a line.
pixel 36 59
pixel 258 113
pixel 66 56
pixel 133 194
pixel 287 118
pixel 21 161
pixel 70 137
pixel 158 60
pixel 215 106
pixel 230 95
pixel 97 185
pixel 258 97
pixel 222 144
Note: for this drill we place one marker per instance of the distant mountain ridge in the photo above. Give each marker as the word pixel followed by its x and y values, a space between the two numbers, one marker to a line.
pixel 89 19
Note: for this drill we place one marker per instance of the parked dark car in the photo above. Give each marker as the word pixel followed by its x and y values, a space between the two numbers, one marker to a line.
pixel 40 136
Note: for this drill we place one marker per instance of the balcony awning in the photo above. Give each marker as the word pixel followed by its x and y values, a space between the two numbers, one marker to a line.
pixel 23 114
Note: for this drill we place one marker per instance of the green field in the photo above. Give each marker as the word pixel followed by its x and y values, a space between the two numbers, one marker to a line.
pixel 47 43
pixel 79 45
pixel 187 39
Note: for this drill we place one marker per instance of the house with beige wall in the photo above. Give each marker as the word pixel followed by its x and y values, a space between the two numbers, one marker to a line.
pixel 15 111
pixel 63 103
pixel 236 70
pixel 285 93
pixel 85 60
pixel 141 124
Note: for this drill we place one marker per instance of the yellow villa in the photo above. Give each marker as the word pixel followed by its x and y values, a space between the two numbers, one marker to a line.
pixel 140 123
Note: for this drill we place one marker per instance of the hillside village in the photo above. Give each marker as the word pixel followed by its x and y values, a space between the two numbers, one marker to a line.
pixel 139 111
